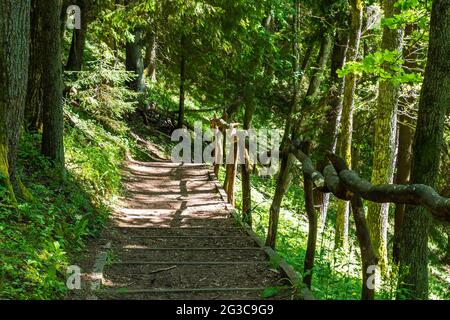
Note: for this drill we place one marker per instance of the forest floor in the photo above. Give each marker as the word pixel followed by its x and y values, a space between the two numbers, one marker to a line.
pixel 172 236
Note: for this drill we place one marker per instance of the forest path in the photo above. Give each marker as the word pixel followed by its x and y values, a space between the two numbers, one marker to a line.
pixel 174 238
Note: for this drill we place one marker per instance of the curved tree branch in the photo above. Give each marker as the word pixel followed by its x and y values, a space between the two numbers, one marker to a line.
pixel 415 194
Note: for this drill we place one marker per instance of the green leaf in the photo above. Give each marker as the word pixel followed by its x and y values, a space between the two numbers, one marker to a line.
pixel 270 292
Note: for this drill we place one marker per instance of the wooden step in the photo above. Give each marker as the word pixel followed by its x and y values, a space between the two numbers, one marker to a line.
pixel 190 263
pixel 195 249
pixel 164 290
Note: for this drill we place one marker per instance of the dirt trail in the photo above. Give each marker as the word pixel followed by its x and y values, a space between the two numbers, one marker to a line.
pixel 174 238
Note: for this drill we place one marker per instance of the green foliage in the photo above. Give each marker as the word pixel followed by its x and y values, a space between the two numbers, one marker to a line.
pixel 337 273
pixel 38 238
pixel 100 91
pixel 270 292
pixel 386 65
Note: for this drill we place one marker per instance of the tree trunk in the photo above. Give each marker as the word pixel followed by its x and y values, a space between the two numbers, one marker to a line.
pixel 385 136
pixel 14 59
pixel 404 154
pixel 76 53
pixel 322 60
pixel 315 81
pixel 433 106
pixel 447 254
pixel 34 103
pixel 52 84
pixel 346 128
pixel 151 56
pixel 182 82
pixel 312 223
pixel 134 61
pixel 333 103
pixel 368 256
pixel 284 176
pixel 230 181
pixel 245 169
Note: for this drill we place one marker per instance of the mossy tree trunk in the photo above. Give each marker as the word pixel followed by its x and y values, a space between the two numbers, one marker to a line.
pixel 14 59
pixel 286 160
pixel 385 137
pixel 284 177
pixel 52 83
pixel 333 105
pixel 433 107
pixel 151 55
pixel 346 127
pixel 134 61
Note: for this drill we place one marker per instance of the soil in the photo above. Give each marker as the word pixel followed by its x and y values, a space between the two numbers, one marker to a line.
pixel 173 237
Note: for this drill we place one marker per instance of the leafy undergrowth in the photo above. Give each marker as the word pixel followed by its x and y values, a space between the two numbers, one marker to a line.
pixel 337 273
pixel 39 238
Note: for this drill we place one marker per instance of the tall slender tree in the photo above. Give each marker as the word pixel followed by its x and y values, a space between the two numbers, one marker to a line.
pixel 134 61
pixel 34 102
pixel 284 176
pixel 385 135
pixel 182 93
pixel 346 127
pixel 333 106
pixel 433 107
pixel 150 59
pixel 405 130
pixel 52 83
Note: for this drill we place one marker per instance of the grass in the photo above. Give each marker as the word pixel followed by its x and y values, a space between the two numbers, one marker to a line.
pixel 337 273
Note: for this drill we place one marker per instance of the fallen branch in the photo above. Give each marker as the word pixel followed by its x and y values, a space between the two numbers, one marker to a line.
pixel 162 270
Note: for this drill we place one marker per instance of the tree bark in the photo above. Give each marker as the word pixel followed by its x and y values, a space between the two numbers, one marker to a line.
pixel 433 107
pixel 333 104
pixel 312 224
pixel 182 82
pixel 76 53
pixel 412 194
pixel 385 137
pixel 346 128
pixel 151 55
pixel 230 181
pixel 52 83
pixel 34 102
pixel 14 59
pixel 135 62
pixel 404 153
pixel 284 177
pixel 368 256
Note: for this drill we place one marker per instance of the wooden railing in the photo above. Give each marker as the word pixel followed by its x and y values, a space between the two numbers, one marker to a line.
pixel 344 184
